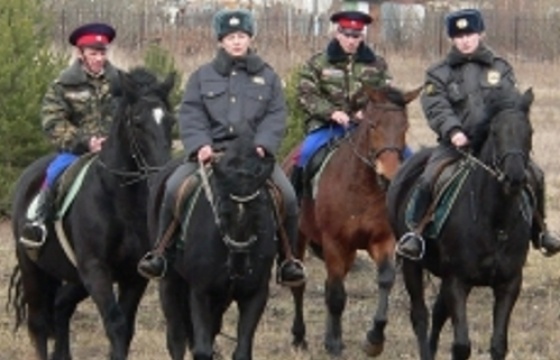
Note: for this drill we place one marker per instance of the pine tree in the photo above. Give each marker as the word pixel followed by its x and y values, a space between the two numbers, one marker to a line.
pixel 27 66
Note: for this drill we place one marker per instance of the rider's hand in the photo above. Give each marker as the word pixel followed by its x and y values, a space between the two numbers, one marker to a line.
pixel 459 139
pixel 95 143
pixel 340 117
pixel 205 154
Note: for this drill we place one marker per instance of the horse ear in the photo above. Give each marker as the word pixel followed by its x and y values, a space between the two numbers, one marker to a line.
pixel 128 87
pixel 527 99
pixel 356 100
pixel 168 84
pixel 411 95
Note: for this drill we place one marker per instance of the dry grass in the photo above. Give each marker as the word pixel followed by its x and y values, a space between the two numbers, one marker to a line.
pixel 534 330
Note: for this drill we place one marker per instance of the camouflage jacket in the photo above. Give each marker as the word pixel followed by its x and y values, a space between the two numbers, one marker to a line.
pixel 455 88
pixel 78 106
pixel 329 80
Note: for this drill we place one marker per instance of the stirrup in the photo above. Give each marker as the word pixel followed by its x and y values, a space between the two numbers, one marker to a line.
pixel 148 275
pixel 291 283
pixel 408 237
pixel 31 244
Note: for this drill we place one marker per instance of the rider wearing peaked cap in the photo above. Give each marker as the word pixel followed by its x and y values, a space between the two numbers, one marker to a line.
pixel 93 35
pixel 76 116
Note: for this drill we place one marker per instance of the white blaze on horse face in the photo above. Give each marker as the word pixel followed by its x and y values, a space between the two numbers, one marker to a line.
pixel 158 115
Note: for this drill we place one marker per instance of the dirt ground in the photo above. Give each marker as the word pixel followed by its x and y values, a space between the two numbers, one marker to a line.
pixel 534 331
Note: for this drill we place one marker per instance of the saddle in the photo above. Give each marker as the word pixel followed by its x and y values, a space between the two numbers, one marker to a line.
pixel 445 190
pixel 314 168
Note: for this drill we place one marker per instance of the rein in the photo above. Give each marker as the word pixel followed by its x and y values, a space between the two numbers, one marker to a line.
pixel 230 243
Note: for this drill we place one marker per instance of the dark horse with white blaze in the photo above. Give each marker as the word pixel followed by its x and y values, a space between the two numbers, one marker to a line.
pixel 348 213
pixel 485 239
pixel 225 253
pixel 106 225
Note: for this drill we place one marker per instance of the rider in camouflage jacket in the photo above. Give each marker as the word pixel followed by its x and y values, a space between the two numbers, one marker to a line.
pixel 77 106
pixel 75 114
pixel 329 80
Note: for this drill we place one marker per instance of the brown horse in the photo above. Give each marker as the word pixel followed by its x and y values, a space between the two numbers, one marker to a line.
pixel 348 213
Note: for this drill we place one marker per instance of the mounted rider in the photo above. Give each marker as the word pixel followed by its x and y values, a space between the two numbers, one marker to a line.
pixel 453 103
pixel 75 115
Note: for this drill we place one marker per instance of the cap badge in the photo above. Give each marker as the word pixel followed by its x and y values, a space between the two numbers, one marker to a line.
pixel 462 23
pixel 234 21
pixel 99 38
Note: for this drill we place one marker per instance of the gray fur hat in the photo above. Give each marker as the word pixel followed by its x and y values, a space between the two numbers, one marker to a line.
pixel 227 21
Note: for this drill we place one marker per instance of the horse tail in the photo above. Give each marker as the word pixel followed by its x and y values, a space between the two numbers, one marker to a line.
pixel 16 299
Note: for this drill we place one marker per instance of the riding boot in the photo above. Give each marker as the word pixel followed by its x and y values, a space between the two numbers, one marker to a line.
pixel 411 245
pixel 542 239
pixel 290 271
pixel 296 179
pixel 154 264
pixel 34 231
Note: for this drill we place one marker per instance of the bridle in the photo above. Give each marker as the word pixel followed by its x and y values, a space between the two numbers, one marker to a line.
pixel 494 169
pixel 241 201
pixel 143 167
pixel 373 154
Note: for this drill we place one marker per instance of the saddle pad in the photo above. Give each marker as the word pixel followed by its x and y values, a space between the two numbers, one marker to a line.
pixel 67 187
pixel 445 199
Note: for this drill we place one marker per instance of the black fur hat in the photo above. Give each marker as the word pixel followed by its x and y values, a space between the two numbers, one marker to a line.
pixel 227 21
pixel 465 21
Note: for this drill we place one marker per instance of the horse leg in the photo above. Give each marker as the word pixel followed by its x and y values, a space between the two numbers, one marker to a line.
pixel 505 297
pixel 130 294
pixel 203 323
pixel 67 299
pixel 412 275
pixel 298 324
pixel 38 295
pixel 250 312
pixel 375 338
pixel 455 293
pixel 99 285
pixel 174 303
pixel 335 298
pixel 440 314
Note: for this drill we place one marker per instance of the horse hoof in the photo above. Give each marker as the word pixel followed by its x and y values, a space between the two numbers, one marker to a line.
pixel 372 350
pixel 300 344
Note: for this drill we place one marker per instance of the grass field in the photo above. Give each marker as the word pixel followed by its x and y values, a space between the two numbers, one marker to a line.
pixel 535 324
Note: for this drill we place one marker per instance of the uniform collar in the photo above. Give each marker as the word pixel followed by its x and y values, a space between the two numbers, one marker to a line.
pixel 75 74
pixel 223 63
pixel 482 55
pixel 336 54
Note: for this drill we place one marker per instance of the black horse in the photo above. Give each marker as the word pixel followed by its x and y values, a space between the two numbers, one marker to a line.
pixel 105 225
pixel 225 254
pixel 485 239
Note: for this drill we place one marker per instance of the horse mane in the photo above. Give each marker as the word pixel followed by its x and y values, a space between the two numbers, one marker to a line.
pixel 498 100
pixel 394 95
pixel 240 170
pixel 146 82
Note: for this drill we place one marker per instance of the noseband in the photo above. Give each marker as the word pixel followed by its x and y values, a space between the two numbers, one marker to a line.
pixel 373 154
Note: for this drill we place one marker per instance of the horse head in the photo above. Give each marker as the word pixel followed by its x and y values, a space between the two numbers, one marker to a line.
pixel 140 139
pixel 240 175
pixel 384 126
pixel 509 139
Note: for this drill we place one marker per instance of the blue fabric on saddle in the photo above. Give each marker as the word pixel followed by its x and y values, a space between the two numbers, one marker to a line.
pixel 189 201
pixel 66 185
pixel 319 138
pixel 448 188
